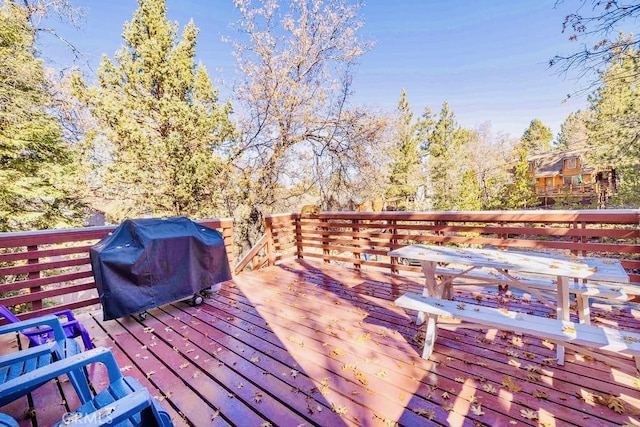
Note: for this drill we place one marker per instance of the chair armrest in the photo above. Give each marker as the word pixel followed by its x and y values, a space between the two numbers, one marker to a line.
pixel 49 320
pixel 68 314
pixel 113 413
pixel 27 354
pixel 16 387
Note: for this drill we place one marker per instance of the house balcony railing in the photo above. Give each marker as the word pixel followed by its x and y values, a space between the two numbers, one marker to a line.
pixel 580 190
pixel 46 271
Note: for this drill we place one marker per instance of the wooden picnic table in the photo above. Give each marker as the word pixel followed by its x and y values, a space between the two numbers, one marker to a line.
pixel 513 268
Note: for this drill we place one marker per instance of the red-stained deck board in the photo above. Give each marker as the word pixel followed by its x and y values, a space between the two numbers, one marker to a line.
pixel 151 369
pixel 307 343
pixel 256 360
pixel 453 376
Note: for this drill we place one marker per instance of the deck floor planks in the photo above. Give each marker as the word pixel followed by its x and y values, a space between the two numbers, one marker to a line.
pixel 581 415
pixel 462 374
pixel 337 328
pixel 258 362
pixel 314 352
pixel 151 361
pixel 398 384
pixel 133 362
pixel 237 388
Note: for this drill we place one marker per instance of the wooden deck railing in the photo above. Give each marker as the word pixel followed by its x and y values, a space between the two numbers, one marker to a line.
pixel 350 237
pixel 45 271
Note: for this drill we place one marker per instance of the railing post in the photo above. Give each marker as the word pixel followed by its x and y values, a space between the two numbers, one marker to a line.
pixel 298 227
pixel 36 304
pixel 325 243
pixel 357 243
pixel 394 245
pixel 270 246
pixel 227 237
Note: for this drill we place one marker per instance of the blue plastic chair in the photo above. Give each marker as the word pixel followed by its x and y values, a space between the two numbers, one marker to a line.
pixel 72 328
pixel 125 400
pixel 7 421
pixel 15 365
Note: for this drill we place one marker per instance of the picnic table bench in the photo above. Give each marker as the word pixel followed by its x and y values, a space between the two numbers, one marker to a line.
pixel 567 333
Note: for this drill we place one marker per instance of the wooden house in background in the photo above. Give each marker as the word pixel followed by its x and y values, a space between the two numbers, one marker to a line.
pixel 568 176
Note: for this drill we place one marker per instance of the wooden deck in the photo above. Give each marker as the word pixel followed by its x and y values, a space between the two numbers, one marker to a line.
pixel 306 343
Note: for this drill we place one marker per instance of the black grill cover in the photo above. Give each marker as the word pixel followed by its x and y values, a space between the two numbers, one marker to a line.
pixel 146 263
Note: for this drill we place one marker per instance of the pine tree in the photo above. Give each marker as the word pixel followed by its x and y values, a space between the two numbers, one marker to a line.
pixel 36 166
pixel 160 116
pixel 470 196
pixel 520 194
pixel 405 171
pixel 537 137
pixel 446 163
pixel 573 132
pixel 614 130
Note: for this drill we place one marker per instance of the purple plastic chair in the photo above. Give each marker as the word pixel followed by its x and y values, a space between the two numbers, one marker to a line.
pixel 124 402
pixel 72 328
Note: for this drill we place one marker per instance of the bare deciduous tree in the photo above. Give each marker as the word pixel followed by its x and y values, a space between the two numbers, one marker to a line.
pixel 296 63
pixel 596 25
pixel 39 11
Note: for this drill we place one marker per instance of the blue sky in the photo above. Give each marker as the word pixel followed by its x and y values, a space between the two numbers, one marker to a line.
pixel 487 59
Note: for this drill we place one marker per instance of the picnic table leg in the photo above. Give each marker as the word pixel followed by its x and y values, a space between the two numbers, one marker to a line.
pixel 431 288
pixel 430 337
pixel 562 310
pixel 584 313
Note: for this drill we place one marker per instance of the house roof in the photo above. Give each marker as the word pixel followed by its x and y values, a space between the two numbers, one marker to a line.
pixel 551 163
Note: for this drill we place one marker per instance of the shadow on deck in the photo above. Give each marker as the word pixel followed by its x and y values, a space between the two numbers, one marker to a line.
pixel 306 343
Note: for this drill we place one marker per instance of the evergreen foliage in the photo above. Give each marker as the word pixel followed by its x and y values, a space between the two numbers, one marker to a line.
pixel 446 160
pixel 614 128
pixel 160 122
pixel 36 167
pixel 520 193
pixel 574 132
pixel 405 152
pixel 537 137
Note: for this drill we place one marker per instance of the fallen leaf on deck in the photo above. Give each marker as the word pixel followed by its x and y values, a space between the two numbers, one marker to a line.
pixel 510 384
pixel 533 377
pixel 427 413
pixel 339 409
pixel 363 338
pixel 477 409
pixel 616 404
pixel 382 374
pixel 529 414
pixel 489 388
pixel 539 394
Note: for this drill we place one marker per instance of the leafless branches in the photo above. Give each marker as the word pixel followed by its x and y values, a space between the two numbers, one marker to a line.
pixel 597 26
